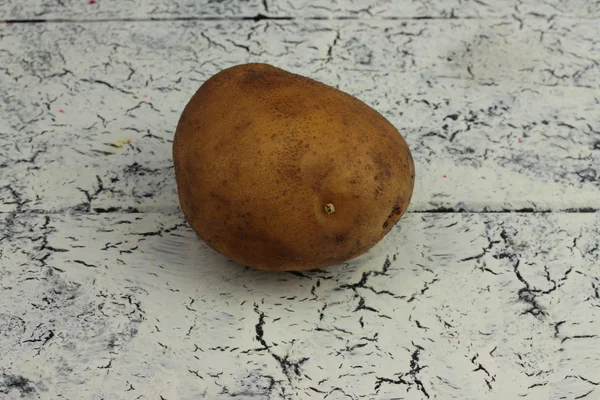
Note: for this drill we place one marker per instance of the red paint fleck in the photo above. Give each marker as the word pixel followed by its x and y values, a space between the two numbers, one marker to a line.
pixel 42 118
pixel 92 2
pixel 61 111
pixel 145 95
pixel 520 140
pixel 72 43
pixel 445 176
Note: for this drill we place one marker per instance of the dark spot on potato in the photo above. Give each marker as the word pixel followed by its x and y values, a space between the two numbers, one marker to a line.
pixel 341 238
pixel 382 165
pixel 396 211
pixel 290 108
pixel 239 128
pixel 264 80
pixel 319 179
pixel 241 234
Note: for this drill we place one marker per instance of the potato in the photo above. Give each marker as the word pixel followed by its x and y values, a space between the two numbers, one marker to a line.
pixel 280 172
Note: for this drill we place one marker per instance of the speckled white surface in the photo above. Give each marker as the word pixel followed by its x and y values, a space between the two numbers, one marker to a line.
pixel 127 9
pixel 99 103
pixel 165 9
pixel 106 293
pixel 435 8
pixel 448 306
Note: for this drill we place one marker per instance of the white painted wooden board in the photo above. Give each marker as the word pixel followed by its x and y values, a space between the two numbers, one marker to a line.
pixel 168 9
pixel 498 116
pixel 127 9
pixel 447 306
pixel 436 8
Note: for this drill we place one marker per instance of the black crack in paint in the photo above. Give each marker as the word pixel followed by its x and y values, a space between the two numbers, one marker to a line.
pixel 260 333
pixel 288 366
pixel 416 367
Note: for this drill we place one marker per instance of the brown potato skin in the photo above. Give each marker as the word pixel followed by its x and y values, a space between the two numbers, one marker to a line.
pixel 260 151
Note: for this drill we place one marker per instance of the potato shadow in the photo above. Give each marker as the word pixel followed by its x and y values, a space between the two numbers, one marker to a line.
pixel 171 248
pixel 186 258
pixel 169 243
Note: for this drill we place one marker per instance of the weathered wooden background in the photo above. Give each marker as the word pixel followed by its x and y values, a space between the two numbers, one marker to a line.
pixel 488 288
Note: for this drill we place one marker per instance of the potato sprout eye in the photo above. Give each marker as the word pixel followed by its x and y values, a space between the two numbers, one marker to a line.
pixel 329 208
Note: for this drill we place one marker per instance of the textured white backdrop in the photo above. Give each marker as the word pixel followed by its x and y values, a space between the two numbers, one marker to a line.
pixel 106 293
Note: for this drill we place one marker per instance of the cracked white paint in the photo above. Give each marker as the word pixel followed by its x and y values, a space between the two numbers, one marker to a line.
pixel 99 103
pixel 452 305
pixel 366 9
